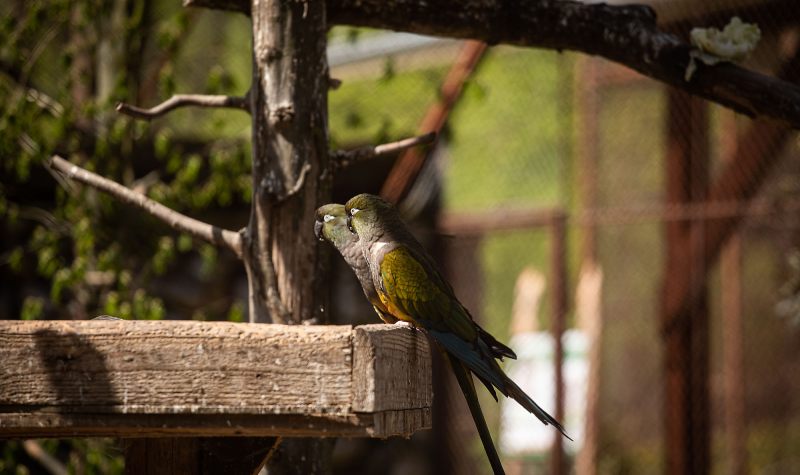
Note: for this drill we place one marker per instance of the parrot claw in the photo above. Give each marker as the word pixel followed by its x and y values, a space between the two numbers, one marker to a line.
pixel 401 323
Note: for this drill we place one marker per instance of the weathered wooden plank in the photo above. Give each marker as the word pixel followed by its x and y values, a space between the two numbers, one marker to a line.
pixel 385 365
pixel 149 379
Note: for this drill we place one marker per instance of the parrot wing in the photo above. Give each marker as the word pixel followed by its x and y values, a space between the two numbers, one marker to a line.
pixel 411 293
pixel 417 252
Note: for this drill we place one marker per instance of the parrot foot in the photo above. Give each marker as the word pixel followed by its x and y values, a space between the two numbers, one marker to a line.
pixel 401 323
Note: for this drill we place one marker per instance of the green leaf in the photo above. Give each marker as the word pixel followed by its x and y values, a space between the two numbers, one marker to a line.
pixel 164 255
pixel 15 259
pixel 32 308
pixel 184 243
pixel 62 278
pixel 236 313
pixel 209 256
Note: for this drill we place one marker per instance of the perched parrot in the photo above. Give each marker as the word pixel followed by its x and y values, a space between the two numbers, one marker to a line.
pixel 411 288
pixel 331 225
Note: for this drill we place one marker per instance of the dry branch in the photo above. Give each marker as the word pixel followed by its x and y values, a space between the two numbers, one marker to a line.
pixel 625 34
pixel 177 221
pixel 184 100
pixel 345 158
pixel 50 463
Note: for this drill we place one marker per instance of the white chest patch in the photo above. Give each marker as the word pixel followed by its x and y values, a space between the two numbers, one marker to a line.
pixel 376 249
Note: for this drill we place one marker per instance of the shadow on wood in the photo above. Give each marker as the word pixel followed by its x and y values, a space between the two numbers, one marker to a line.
pixel 211 379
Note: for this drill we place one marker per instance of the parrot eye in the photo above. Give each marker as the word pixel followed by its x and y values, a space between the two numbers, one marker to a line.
pixel 327 217
pixel 354 211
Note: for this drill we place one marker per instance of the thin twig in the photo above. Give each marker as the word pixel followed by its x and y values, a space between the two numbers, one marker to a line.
pixel 345 158
pixel 184 100
pixel 334 84
pixel 50 463
pixel 175 220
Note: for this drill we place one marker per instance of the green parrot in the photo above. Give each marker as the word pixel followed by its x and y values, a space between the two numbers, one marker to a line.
pixel 331 225
pixel 408 283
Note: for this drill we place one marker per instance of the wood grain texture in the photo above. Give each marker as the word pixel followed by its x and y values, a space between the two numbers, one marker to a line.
pixel 150 379
pixel 386 366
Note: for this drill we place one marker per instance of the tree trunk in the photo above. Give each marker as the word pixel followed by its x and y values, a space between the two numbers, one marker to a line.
pixel 290 178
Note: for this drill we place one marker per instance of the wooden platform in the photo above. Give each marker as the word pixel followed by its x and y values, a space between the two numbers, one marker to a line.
pixel 211 379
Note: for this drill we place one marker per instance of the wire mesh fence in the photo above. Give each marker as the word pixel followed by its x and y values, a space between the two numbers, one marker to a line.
pixel 536 132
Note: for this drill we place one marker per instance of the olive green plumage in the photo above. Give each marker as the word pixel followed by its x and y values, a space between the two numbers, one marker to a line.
pixel 411 288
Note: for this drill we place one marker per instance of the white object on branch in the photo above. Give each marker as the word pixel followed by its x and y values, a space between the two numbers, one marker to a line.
pixel 208 232
pixel 733 43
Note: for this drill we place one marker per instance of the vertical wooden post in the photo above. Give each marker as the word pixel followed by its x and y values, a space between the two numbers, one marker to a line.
pixel 558 294
pixel 197 456
pixel 290 161
pixel 588 156
pixel 454 427
pixel 290 178
pixel 588 149
pixel 732 325
pixel 686 331
pixel 733 356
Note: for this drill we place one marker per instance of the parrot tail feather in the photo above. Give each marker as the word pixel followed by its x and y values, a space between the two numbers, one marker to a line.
pixel 489 387
pixel 468 388
pixel 497 349
pixel 525 401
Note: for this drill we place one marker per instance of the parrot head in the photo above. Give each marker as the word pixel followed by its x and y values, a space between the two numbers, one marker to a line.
pixel 365 214
pixel 331 224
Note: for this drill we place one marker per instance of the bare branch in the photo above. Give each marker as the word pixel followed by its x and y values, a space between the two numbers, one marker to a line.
pixel 345 158
pixel 177 221
pixel 50 463
pixel 184 100
pixel 626 34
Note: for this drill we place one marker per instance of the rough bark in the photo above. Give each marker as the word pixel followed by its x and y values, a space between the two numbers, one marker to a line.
pixel 624 34
pixel 289 110
pixel 288 103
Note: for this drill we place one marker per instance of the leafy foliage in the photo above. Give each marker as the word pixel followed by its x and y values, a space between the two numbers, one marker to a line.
pixel 72 252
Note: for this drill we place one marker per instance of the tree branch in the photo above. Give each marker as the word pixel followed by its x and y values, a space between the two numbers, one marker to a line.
pixel 345 158
pixel 625 34
pixel 184 100
pixel 177 221
pixel 50 463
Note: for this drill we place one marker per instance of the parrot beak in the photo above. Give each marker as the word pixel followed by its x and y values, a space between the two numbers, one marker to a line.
pixel 350 223
pixel 318 230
